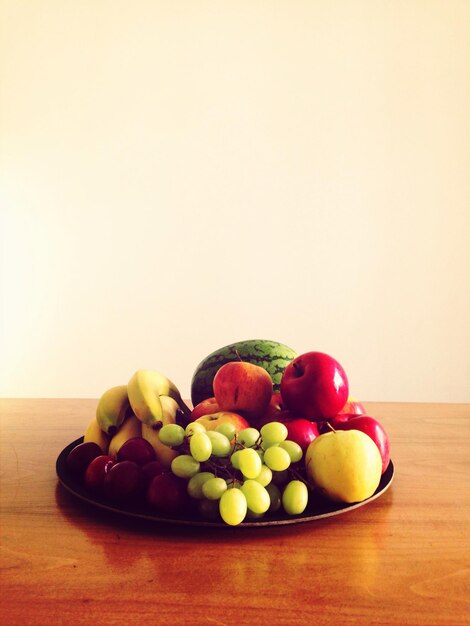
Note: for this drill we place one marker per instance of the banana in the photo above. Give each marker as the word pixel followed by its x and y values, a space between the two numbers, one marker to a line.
pixel 163 453
pixel 168 388
pixel 112 409
pixel 132 427
pixel 145 389
pixel 94 433
pixel 170 409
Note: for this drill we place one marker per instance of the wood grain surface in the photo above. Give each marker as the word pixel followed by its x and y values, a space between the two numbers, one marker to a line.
pixel 403 559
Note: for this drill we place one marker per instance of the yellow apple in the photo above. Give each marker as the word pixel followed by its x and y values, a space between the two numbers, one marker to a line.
pixel 345 465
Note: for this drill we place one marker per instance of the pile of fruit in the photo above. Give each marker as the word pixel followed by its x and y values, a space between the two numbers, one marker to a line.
pixel 270 431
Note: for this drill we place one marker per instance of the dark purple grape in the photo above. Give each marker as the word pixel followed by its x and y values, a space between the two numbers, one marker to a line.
pixel 97 470
pixel 138 450
pixel 168 494
pixel 152 469
pixel 209 509
pixel 124 481
pixel 80 457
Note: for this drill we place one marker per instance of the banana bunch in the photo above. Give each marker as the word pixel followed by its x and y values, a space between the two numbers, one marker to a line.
pixel 148 401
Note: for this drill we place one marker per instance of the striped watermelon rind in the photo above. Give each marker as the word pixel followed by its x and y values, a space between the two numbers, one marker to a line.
pixel 273 356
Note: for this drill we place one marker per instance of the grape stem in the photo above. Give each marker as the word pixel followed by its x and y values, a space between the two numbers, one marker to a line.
pixel 297 475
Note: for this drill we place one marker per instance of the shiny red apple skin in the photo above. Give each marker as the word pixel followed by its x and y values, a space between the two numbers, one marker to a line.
pixel 352 408
pixel 372 427
pixel 210 422
pixel 206 407
pixel 240 386
pixel 299 429
pixel 340 418
pixel 315 386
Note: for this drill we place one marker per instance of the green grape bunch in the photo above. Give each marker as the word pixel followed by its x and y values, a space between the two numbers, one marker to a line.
pixel 237 476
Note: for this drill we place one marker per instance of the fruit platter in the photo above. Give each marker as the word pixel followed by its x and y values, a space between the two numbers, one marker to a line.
pixel 272 437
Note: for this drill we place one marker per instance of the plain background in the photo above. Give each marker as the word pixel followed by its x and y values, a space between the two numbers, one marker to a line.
pixel 179 175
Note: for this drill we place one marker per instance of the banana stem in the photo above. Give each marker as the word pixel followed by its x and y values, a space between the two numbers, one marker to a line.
pixel 185 410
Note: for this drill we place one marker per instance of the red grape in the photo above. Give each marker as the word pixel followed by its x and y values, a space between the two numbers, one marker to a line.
pixel 152 469
pixel 209 509
pixel 80 457
pixel 124 481
pixel 97 470
pixel 138 450
pixel 167 493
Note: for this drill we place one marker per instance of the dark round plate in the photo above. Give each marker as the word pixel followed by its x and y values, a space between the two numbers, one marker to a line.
pixel 317 509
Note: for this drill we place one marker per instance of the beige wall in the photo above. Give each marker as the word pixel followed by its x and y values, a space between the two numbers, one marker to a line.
pixel 179 175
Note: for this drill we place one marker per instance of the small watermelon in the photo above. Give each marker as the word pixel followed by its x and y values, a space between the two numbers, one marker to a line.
pixel 271 355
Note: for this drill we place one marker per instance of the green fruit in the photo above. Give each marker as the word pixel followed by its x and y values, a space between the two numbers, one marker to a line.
pixel 214 488
pixel 277 459
pixel 295 497
pixel 257 498
pixel 200 447
pixel 271 355
pixel 250 463
pixel 195 483
pixel 343 465
pixel 233 507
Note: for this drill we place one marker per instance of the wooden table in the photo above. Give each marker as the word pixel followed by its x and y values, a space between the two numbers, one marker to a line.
pixel 402 559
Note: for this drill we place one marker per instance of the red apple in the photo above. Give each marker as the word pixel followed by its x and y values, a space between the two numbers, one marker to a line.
pixel 243 387
pixel 206 407
pixel 341 417
pixel 352 408
pixel 210 422
pixel 315 386
pixel 272 411
pixel 276 412
pixel 372 427
pixel 301 431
